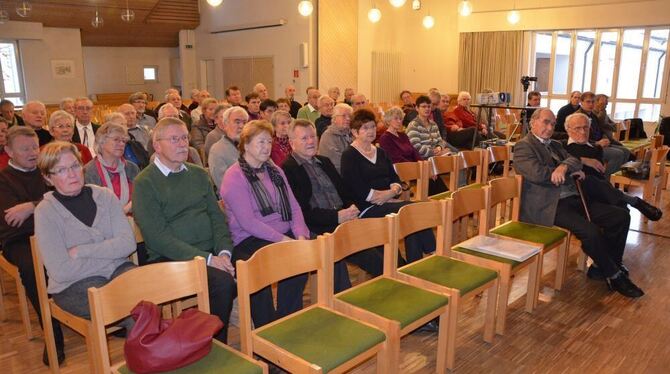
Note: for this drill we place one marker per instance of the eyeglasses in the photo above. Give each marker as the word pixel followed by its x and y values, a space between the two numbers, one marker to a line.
pixel 581 128
pixel 176 139
pixel 64 171
pixel 121 140
pixel 62 127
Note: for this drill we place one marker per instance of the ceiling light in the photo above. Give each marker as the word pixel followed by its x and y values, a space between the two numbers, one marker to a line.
pixel 416 4
pixel 513 17
pixel 127 15
pixel 97 20
pixel 4 16
pixel 214 2
pixel 305 8
pixel 374 15
pixel 428 22
pixel 23 9
pixel 465 8
pixel 397 3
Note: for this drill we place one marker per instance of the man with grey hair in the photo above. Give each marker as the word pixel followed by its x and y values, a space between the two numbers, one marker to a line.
pixel 224 153
pixel 261 90
pixel 67 104
pixel 295 106
pixel 310 111
pixel 337 136
pixel 35 116
pixel 134 132
pixel 549 197
pixel 145 119
pixel 85 129
pixel 326 105
pixel 334 93
pixel 8 113
pixel 221 119
pixel 348 93
pixel 195 99
pixel 196 111
pixel 175 99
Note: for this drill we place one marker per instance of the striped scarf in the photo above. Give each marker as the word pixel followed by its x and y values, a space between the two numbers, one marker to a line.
pixel 261 194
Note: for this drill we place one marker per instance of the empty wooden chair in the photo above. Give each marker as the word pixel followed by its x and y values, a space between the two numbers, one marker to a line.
pixel 393 305
pixel 316 339
pixel 440 273
pixel 444 167
pixel 473 163
pixel 496 154
pixel 114 301
pixel 13 272
pixel 412 174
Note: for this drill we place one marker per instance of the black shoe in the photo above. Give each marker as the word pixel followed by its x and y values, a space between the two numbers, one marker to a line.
pixel 624 269
pixel 648 210
pixel 623 285
pixel 594 273
pixel 59 352
pixel 432 326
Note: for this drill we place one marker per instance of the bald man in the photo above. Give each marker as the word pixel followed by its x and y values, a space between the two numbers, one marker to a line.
pixel 289 91
pixel 35 116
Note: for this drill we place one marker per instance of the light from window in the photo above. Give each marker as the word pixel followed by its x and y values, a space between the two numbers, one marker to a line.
pixel 658 48
pixel 608 41
pixel 542 61
pixel 557 104
pixel 649 112
pixel 624 111
pixel 561 62
pixel 583 68
pixel 10 70
pixel 150 73
pixel 629 67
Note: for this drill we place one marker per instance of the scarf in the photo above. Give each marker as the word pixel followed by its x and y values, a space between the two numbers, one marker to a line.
pixel 125 185
pixel 261 194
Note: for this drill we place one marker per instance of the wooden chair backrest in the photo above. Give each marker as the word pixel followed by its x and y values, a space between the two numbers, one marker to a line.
pixel 440 165
pixel 657 141
pixel 504 190
pixel 461 204
pixel 413 172
pixel 496 154
pixel 471 159
pixel 657 162
pixel 624 127
pixel 354 236
pixel 420 216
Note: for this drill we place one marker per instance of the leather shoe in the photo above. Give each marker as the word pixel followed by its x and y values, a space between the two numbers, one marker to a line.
pixel 432 326
pixel 59 353
pixel 648 210
pixel 595 273
pixel 623 285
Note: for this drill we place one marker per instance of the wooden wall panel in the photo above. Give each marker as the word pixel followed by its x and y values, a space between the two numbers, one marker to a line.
pixel 337 44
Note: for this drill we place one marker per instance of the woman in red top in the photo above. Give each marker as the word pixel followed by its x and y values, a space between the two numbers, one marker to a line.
pixel 281 147
pixel 61 127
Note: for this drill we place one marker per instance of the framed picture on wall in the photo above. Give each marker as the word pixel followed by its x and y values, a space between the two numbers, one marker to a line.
pixel 62 69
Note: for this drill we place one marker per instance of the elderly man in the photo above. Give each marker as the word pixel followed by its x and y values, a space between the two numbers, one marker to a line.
pixel 21 188
pixel 135 132
pixel 224 152
pixel 169 111
pixel 195 100
pixel 145 119
pixel 591 156
pixel 174 99
pixel 614 153
pixel 295 106
pixel 358 101
pixel 261 90
pixel 168 92
pixel 337 136
pixel 234 96
pixel 600 110
pixel 35 116
pixel 8 113
pixel 563 113
pixel 549 198
pixel 326 105
pixel 334 93
pixel 67 104
pixel 348 93
pixel 196 111
pixel 85 130
pixel 175 207
pixel 310 111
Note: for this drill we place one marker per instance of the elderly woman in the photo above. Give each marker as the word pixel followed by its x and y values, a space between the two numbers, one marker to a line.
pixel 394 141
pixel 109 168
pixel 83 235
pixel 61 127
pixel 369 173
pixel 281 147
pixel 261 210
pixel 206 124
pixel 461 120
pixel 424 134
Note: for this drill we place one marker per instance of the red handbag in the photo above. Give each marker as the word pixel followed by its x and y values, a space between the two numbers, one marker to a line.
pixel 155 344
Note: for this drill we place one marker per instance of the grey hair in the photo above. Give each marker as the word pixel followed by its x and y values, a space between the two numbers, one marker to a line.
pixel 235 109
pixel 163 124
pixel 342 107
pixel 117 118
pixel 105 131
pixel 537 113
pixel 64 101
pixel 161 111
pixel 278 114
pixel 299 123
pixel 323 98
pixel 392 113
pixel 462 95
pixel 58 115
pixel 574 116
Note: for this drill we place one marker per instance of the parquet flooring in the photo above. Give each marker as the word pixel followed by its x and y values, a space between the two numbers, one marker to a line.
pixel 585 328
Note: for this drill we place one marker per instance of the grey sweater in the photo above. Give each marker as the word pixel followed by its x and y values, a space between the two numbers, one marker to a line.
pixel 101 248
pixel 222 155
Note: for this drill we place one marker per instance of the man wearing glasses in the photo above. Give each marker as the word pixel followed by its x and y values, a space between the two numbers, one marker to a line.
pixel 176 209
pixel 85 129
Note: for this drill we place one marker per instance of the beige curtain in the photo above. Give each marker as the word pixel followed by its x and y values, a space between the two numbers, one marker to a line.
pixel 491 60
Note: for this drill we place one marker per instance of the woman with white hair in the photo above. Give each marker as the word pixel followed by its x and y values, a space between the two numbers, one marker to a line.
pixel 61 127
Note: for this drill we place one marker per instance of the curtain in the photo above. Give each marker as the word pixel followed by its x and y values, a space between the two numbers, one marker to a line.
pixel 491 60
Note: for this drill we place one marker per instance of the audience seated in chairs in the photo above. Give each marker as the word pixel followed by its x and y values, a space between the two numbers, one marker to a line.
pixel 169 111
pixel 61 128
pixel 253 106
pixel 337 136
pixel 85 129
pixel 310 111
pixel 109 168
pixel 206 124
pixel 145 118
pixel 21 189
pixel 224 152
pixel 7 112
pixel 136 132
pixel 35 116
pixel 262 209
pixel 217 132
pixel 549 197
pixel 326 106
pixel 4 157
pixel 196 105
pixel 67 104
pixel 281 147
pixel 369 173
pixel 267 109
pixel 175 208
pixel 563 113
pixel 424 134
pixel 289 95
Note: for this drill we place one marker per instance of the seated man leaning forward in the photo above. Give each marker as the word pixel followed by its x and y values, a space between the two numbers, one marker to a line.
pixel 549 197
pixel 177 212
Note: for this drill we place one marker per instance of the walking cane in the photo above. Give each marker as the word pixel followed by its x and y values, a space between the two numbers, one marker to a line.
pixel 578 183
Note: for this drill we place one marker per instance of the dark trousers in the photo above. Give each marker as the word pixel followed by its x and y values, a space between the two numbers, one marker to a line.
pixel 18 254
pixel 604 237
pixel 222 291
pixel 463 138
pixel 415 244
pixel 289 291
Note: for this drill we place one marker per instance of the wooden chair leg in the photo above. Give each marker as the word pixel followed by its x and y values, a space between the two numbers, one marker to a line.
pixel 23 308
pixel 562 253
pixel 391 363
pixel 503 298
pixel 533 288
pixel 442 344
pixel 490 316
pixel 93 356
pixel 581 261
pixel 2 300
pixel 452 322
pixel 50 341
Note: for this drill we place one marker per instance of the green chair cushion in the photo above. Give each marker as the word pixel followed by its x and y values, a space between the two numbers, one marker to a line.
pixel 487 256
pixel 322 337
pixel 547 236
pixel 450 273
pixel 447 194
pixel 218 360
pixel 394 300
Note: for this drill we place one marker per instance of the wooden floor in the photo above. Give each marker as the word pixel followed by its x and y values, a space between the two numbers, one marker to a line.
pixel 583 329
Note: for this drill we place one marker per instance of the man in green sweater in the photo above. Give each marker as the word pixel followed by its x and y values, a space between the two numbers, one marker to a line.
pixel 176 209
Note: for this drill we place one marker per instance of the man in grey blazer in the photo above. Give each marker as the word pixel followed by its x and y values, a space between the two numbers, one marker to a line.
pixel 549 197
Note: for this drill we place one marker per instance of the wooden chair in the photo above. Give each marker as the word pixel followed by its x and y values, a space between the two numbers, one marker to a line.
pixel 476 200
pixel 393 305
pixel 444 167
pixel 498 153
pixel 509 188
pixel 114 301
pixel 623 127
pixel 471 159
pixel 13 272
pixel 316 339
pixel 50 309
pixel 440 273
pixel 651 187
pixel 413 173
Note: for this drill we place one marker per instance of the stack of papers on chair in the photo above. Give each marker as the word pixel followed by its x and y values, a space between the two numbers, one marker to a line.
pixel 506 248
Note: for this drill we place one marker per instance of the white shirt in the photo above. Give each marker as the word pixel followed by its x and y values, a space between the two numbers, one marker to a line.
pixel 311 108
pixel 166 170
pixel 90 136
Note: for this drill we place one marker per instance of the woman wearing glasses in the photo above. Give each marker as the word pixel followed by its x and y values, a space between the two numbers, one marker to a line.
pixel 109 168
pixel 61 127
pixel 83 234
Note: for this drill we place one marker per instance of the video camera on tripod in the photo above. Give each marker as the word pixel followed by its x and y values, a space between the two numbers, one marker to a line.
pixel 525 81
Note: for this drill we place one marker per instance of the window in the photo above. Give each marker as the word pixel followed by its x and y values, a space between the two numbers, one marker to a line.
pixel 151 73
pixel 628 65
pixel 11 85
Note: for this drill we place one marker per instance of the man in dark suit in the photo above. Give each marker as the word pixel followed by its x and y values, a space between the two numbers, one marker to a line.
pixel 323 197
pixel 7 112
pixel 85 130
pixel 549 198
pixel 290 96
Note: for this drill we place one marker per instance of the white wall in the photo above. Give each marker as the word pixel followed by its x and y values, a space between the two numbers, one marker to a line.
pixel 36 57
pixel 281 42
pixel 106 69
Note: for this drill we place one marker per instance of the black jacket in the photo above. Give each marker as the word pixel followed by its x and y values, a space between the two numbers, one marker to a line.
pixel 75 137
